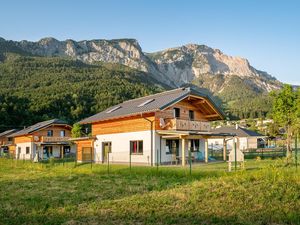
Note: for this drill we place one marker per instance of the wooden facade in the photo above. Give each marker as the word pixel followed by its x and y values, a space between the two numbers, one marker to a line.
pixel 85 150
pixel 123 125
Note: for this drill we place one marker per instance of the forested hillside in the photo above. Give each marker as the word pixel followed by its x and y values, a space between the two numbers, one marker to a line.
pixel 33 89
pixel 38 88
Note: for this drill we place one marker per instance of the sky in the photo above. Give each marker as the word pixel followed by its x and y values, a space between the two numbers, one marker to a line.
pixel 265 32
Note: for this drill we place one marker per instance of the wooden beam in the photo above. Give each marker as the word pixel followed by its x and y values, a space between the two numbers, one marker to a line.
pixel 212 115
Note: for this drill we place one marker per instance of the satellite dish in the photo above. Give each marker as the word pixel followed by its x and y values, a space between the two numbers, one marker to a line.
pixel 36 138
pixel 162 123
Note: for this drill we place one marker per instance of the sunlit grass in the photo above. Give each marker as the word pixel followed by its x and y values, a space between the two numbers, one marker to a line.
pixel 266 192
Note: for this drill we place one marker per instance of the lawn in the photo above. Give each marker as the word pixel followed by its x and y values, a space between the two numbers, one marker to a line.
pixel 267 192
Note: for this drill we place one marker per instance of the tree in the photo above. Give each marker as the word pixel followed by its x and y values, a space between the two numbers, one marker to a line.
pixel 76 130
pixel 285 113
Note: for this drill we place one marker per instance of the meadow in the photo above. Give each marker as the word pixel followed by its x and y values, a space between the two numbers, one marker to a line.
pixel 267 192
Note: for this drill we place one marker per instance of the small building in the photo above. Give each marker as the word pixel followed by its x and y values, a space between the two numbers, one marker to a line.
pixel 246 139
pixel 47 139
pixel 6 143
pixel 160 128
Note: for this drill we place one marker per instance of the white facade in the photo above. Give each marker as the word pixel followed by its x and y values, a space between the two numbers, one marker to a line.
pixel 21 150
pixel 34 148
pixel 243 143
pixel 120 148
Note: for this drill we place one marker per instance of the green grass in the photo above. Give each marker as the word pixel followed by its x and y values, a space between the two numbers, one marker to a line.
pixel 266 193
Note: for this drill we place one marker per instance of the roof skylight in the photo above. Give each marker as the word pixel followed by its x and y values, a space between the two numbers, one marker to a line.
pixel 113 109
pixel 146 102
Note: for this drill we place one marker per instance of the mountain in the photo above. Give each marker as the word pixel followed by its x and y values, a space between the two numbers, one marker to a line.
pixel 232 80
pixel 175 66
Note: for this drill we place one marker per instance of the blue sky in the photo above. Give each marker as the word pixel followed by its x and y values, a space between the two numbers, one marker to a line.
pixel 265 32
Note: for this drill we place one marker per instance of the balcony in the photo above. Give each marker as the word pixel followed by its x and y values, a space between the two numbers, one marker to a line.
pixel 180 124
pixel 54 139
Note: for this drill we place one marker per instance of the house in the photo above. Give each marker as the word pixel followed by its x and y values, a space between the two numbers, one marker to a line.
pixel 246 139
pixel 160 128
pixel 47 139
pixel 6 143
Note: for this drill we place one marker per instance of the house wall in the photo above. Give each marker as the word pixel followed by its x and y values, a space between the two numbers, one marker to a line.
pixel 22 154
pixel 56 131
pixel 242 143
pixel 252 142
pixel 120 146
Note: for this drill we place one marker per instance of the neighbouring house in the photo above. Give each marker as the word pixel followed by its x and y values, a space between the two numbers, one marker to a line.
pixel 160 128
pixel 7 143
pixel 47 139
pixel 245 138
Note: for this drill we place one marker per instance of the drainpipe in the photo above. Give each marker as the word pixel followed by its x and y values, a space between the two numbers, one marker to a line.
pixel 151 127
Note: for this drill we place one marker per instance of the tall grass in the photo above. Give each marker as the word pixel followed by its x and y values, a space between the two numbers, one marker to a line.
pixel 266 193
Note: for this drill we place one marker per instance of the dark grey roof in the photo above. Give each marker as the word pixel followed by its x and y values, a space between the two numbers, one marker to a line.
pixel 38 126
pixel 240 132
pixel 8 132
pixel 156 102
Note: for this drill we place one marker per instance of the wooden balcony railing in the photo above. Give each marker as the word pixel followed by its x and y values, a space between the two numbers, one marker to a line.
pixel 180 124
pixel 54 139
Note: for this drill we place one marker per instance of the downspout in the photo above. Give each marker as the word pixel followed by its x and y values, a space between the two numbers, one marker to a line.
pixel 151 127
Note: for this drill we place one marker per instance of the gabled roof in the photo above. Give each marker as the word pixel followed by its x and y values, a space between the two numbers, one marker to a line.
pixel 8 132
pixel 151 103
pixel 240 132
pixel 38 126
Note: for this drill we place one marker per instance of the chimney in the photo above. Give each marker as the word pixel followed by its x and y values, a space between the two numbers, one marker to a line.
pixel 236 126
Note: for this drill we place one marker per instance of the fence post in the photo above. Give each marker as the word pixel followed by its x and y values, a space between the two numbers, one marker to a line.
pixel 108 162
pixel 91 158
pixel 130 159
pixel 190 161
pixel 235 162
pixel 157 159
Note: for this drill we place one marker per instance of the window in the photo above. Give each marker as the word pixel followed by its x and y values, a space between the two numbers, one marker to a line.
pixel 172 146
pixel 176 112
pixel 62 133
pixel 50 133
pixel 136 147
pixel 114 109
pixel 146 102
pixel 10 139
pixel 191 115
pixel 19 150
pixel 195 145
pixel 27 150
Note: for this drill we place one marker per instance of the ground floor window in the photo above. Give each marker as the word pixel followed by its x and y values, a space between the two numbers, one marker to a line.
pixel 136 147
pixel 67 149
pixel 27 150
pixel 172 146
pixel 195 145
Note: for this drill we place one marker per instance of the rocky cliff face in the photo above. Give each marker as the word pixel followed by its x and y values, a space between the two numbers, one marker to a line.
pixel 174 66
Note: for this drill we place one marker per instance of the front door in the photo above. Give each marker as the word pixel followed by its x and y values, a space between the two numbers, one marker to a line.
pixel 18 152
pixel 106 149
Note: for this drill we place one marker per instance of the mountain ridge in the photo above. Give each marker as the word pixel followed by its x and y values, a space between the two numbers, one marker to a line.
pixel 173 66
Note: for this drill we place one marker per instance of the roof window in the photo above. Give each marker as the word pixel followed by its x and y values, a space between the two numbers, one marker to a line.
pixel 114 109
pixel 146 102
